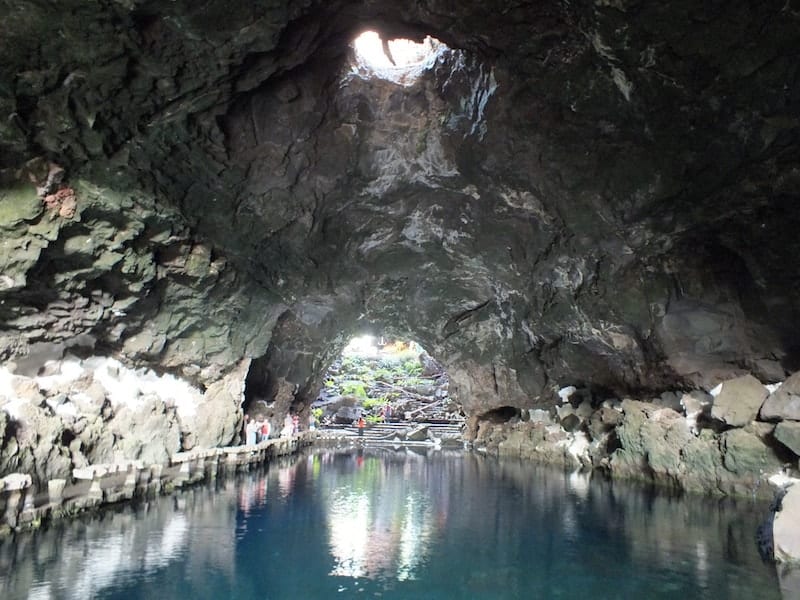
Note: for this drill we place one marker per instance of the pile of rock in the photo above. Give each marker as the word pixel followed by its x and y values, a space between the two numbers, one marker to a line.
pixel 78 412
pixel 730 441
pixel 414 389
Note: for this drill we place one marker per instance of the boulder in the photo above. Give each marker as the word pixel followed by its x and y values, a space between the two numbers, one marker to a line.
pixel 346 415
pixel 96 442
pixel 670 400
pixel 696 403
pixel 36 446
pixel 564 411
pixel 786 527
pixel 419 434
pixel 603 420
pixel 763 431
pixel 26 389
pixel 651 440
pixel 739 401
pixel 788 434
pixel 584 410
pixel 537 415
pixel 571 422
pixel 150 433
pixel 430 366
pixel 702 460
pixel 217 417
pixel 747 456
pixel 783 403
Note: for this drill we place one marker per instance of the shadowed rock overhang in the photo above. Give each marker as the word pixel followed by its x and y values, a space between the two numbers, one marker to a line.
pixel 597 193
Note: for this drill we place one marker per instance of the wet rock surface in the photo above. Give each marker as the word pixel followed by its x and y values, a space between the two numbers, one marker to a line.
pixel 646 440
pixel 573 193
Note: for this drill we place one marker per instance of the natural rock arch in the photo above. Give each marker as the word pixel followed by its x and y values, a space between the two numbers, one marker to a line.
pixel 573 194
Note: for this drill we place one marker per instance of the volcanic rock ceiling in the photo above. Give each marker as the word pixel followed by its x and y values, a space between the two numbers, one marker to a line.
pixel 593 193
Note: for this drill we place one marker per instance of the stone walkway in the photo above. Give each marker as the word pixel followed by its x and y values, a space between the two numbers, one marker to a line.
pixel 399 433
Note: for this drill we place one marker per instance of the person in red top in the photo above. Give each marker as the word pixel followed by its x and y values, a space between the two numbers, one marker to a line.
pixel 361 424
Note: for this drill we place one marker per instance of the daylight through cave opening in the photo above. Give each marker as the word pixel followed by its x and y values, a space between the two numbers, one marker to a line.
pixel 386 380
pixel 399 60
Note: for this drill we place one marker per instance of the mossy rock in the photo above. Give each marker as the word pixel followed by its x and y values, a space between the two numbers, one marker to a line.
pixel 17 205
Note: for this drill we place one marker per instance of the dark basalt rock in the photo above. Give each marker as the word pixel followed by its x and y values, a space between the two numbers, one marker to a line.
pixel 602 193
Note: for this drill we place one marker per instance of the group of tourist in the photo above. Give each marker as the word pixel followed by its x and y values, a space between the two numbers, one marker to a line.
pixel 256 430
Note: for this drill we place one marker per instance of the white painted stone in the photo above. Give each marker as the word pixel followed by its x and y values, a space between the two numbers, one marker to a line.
pixel 55 489
pixel 15 481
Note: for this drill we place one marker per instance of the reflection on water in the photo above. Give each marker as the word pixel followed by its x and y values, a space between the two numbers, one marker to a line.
pixel 83 558
pixel 399 525
pixel 380 527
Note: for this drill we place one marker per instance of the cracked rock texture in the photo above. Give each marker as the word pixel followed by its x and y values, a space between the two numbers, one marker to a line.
pixel 592 193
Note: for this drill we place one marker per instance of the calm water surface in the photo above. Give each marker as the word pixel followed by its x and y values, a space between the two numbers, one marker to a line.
pixel 388 524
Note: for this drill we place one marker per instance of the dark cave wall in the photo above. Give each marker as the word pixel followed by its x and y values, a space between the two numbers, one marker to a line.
pixel 590 193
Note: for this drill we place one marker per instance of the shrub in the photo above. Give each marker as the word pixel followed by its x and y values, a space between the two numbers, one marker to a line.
pixel 412 367
pixel 371 403
pixel 355 388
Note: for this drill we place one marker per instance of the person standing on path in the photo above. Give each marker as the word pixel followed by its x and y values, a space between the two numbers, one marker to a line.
pixel 244 428
pixel 251 428
pixel 361 423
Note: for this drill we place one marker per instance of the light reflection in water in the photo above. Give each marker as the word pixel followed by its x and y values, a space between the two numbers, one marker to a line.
pixel 398 525
pixel 379 533
pixel 348 515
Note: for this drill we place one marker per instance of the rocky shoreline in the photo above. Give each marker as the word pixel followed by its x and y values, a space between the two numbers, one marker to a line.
pixel 741 439
pixel 27 506
pixel 81 433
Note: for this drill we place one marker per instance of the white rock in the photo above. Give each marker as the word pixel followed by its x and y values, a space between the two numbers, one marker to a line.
pixel 579 445
pixel 781 480
pixel 786 527
pixel 15 481
pixel 771 387
pixel 565 392
pixel 537 415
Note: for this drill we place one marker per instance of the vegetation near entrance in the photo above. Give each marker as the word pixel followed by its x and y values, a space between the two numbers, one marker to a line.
pixel 399 381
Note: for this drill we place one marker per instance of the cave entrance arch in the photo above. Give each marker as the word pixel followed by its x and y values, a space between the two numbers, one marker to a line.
pixel 386 380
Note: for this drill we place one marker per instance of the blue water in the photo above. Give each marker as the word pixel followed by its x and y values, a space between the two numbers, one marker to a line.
pixel 389 524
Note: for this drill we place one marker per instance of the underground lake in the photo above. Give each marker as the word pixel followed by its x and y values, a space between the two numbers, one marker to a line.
pixel 399 523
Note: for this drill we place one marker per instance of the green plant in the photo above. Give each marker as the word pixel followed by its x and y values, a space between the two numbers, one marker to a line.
pixel 383 374
pixel 371 403
pixel 317 412
pixel 355 388
pixel 374 419
pixel 412 367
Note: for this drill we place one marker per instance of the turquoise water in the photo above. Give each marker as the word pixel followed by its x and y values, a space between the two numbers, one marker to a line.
pixel 392 524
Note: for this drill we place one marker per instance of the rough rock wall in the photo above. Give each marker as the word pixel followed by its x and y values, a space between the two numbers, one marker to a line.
pixel 744 439
pixel 599 193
